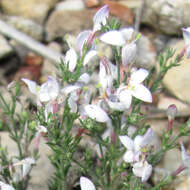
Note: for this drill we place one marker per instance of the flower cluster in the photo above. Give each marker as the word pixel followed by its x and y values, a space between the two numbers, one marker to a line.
pixel 52 95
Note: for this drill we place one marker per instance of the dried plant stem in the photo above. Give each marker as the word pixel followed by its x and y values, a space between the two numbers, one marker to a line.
pixel 30 42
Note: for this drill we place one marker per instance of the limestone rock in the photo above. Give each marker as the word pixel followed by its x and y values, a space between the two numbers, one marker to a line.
pixel 165 101
pixel 33 9
pixel 27 26
pixel 146 53
pixel 177 79
pixel 71 5
pixel 64 22
pixel 167 16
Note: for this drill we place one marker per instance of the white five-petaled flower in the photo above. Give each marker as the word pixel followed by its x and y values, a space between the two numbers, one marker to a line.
pixel 5 186
pixel 134 88
pixel 122 38
pixel 86 184
pixel 186 36
pixel 48 91
pixel 135 146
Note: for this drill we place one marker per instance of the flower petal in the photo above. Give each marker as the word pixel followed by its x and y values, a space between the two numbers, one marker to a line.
pixel 147 137
pixel 186 35
pixel 70 88
pixel 142 93
pixel 89 56
pixel 128 54
pixel 139 75
pixel 128 33
pixel 185 156
pixel 5 186
pixel 84 78
pixel 96 112
pixel 116 105
pixel 100 17
pixel 114 38
pixel 127 142
pixel 125 97
pixel 71 59
pixel 72 104
pixel 31 85
pixel 129 156
pixel 86 184
pixel 49 90
pixel 82 39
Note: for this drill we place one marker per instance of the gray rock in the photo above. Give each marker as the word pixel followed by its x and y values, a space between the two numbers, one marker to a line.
pixel 64 22
pixel 27 26
pixel 167 16
pixel 70 5
pixel 33 9
pixel 146 53
pixel 177 79
pixel 5 48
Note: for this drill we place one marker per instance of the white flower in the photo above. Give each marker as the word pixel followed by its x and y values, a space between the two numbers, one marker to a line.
pixel 186 36
pixel 86 184
pixel 134 88
pixel 26 165
pixel 107 73
pixel 142 169
pixel 48 91
pixel 4 186
pixel 122 38
pixel 134 146
pixel 96 112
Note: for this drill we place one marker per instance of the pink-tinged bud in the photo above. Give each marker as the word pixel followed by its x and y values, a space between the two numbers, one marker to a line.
pixel 171 111
pixel 179 170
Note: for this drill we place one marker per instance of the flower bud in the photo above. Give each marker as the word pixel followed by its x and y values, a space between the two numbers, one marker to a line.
pixel 171 111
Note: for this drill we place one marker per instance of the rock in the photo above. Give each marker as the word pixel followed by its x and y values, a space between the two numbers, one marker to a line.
pixel 5 48
pixel 177 79
pixel 70 5
pixel 91 3
pixel 27 26
pixel 146 54
pixel 170 162
pixel 160 125
pixel 36 10
pixel 59 23
pixel 167 16
pixel 120 11
pixel 165 101
pixel 132 4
